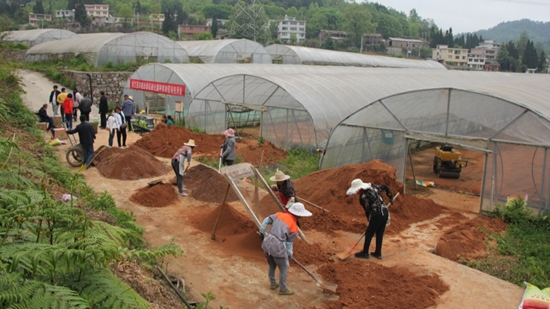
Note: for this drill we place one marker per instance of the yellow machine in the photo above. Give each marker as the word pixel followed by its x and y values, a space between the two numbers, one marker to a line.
pixel 448 162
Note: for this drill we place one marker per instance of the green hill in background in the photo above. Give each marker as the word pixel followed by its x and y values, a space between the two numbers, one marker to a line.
pixel 539 32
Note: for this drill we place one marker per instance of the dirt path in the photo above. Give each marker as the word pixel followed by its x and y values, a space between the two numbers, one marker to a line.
pixel 234 270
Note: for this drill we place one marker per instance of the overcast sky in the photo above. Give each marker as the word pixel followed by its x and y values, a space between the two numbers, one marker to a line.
pixel 472 15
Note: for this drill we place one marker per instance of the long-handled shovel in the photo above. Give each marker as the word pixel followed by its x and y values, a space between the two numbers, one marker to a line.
pixel 220 164
pixel 346 254
pixel 324 285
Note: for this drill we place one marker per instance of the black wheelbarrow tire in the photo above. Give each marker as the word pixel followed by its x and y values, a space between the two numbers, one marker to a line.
pixel 75 156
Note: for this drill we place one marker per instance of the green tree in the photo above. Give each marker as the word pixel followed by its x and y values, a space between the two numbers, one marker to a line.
pixel 293 39
pixel 214 28
pixel 169 23
pixel 357 21
pixel 503 58
pixel 205 36
pixel 530 58
pixel 38 8
pixel 125 11
pixel 222 11
pixel 542 62
pixel 250 22
pixel 318 22
pixel 80 15
pixel 389 26
pixel 329 43
pixel 522 42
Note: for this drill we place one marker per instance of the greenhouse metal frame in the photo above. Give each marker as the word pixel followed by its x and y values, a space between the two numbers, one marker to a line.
pixel 37 36
pixel 226 51
pixel 115 48
pixel 288 54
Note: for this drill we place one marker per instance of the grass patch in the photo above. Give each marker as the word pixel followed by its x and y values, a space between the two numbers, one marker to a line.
pixel 522 253
pixel 298 163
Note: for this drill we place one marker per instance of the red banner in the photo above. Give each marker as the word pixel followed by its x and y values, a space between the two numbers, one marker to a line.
pixel 147 85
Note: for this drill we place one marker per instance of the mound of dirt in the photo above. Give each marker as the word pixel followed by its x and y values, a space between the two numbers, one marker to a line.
pixel 207 185
pixel 327 188
pixel 165 140
pixel 236 234
pixel 370 285
pixel 160 195
pixel 128 164
pixel 467 240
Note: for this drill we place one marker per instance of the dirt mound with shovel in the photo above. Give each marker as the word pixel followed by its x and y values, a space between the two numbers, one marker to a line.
pixel 128 163
pixel 159 195
pixel 236 233
pixel 207 185
pixel 327 189
pixel 363 284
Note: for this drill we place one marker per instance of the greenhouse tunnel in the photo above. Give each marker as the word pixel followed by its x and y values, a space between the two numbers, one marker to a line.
pixel 226 51
pixel 37 36
pixel 116 48
pixel 288 54
pixel 507 122
pixel 196 76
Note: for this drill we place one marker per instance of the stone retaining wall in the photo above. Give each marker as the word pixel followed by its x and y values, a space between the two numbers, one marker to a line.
pixel 14 55
pixel 111 82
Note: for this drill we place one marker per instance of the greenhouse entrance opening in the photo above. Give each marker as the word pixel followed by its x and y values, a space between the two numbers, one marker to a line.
pixel 454 167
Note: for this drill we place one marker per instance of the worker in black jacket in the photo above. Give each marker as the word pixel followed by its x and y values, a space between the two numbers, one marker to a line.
pixel 86 136
pixel 103 110
pixel 43 114
pixel 376 212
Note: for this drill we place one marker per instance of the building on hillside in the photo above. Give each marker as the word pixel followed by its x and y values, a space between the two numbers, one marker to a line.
pixel 450 56
pixel 106 20
pixel 97 9
pixel 39 19
pixel 341 36
pixel 220 22
pixel 477 59
pixel 190 30
pixel 406 46
pixel 156 18
pixel 491 66
pixel 68 14
pixel 290 26
pixel 491 48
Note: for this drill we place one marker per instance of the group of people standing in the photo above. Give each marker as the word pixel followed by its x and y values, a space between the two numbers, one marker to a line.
pixel 70 104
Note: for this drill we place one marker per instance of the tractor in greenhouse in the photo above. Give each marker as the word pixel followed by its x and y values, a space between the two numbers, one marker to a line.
pixel 448 162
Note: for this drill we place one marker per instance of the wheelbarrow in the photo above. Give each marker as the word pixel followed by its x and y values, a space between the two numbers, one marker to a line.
pixel 75 154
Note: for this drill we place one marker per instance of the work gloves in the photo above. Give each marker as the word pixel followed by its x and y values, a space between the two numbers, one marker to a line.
pixel 274 188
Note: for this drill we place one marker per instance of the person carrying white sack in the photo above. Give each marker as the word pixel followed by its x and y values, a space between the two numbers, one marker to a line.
pixel 178 162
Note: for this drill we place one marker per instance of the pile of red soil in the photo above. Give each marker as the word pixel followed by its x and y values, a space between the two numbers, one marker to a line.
pixel 364 284
pixel 165 140
pixel 236 233
pixel 468 240
pixel 327 188
pixel 128 164
pixel 207 185
pixel 160 195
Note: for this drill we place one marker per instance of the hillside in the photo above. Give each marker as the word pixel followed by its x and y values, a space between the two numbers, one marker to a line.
pixel 511 30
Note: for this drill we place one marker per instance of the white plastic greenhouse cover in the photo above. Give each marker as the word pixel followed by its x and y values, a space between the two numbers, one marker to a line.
pixel 302 109
pixel 226 51
pixel 314 56
pixel 37 36
pixel 196 76
pixel 100 48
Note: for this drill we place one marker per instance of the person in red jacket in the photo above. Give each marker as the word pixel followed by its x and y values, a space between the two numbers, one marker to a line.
pixel 68 110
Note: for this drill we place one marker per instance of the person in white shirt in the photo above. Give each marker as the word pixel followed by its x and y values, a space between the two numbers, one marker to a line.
pixel 112 127
pixel 76 103
pixel 122 125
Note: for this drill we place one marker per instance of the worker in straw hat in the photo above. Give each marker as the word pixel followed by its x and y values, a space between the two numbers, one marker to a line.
pixel 227 155
pixel 277 245
pixel 284 187
pixel 178 160
pixel 376 211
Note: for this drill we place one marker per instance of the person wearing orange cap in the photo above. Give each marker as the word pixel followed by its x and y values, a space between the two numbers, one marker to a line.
pixel 228 148
pixel 278 243
pixel 376 211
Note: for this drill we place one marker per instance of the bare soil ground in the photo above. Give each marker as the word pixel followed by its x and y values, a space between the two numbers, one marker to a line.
pixel 232 267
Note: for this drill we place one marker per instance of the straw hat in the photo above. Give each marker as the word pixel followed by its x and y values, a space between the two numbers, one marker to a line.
pixel 299 210
pixel 229 132
pixel 279 176
pixel 357 184
pixel 190 143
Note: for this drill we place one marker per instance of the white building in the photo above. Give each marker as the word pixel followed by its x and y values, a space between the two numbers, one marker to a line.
pixel 477 58
pixel 69 14
pixel 289 26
